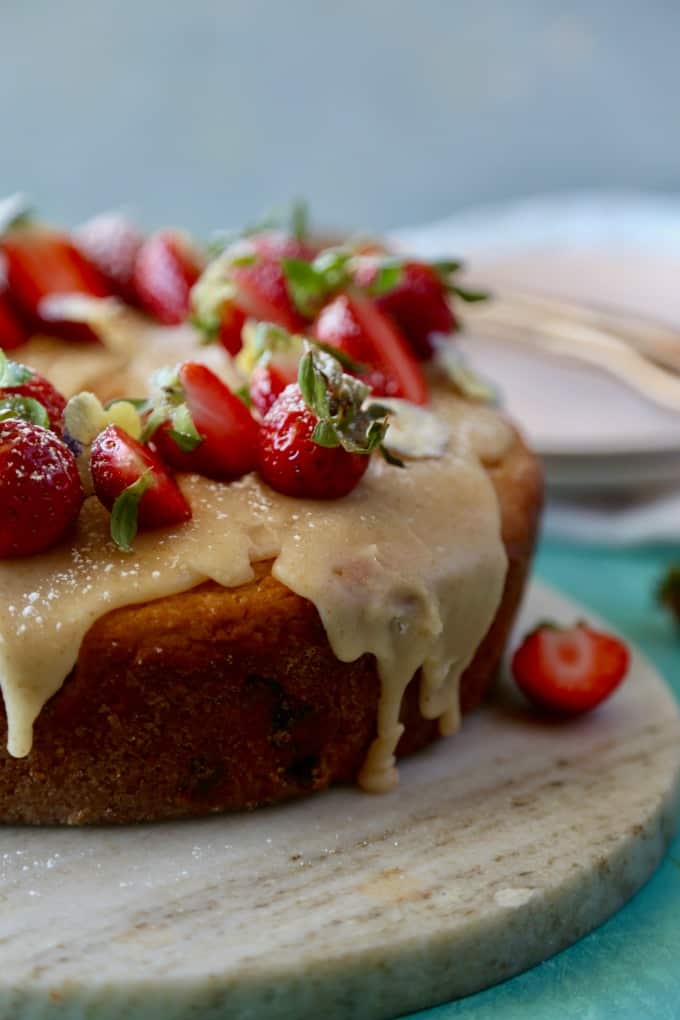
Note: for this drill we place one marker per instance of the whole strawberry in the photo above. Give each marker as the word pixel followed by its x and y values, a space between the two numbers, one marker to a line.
pixel 20 381
pixel 292 463
pixel 40 490
pixel 111 242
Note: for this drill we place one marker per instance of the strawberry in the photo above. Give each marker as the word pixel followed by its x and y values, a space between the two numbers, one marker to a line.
pixel 111 242
pixel 231 326
pixel 292 463
pixel 352 323
pixel 132 482
pixel 40 490
pixel 569 669
pixel 41 263
pixel 166 268
pixel 279 244
pixel 205 427
pixel 268 380
pixel 20 381
pixel 12 331
pixel 262 293
pixel 418 304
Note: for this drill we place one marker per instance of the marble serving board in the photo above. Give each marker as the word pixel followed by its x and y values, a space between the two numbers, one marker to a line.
pixel 502 846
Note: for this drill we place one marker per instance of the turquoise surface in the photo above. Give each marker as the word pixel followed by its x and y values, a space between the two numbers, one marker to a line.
pixel 630 967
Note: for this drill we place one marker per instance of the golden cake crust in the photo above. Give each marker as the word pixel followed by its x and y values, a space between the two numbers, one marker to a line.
pixel 223 699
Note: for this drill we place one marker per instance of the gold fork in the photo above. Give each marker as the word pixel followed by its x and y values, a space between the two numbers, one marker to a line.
pixel 637 350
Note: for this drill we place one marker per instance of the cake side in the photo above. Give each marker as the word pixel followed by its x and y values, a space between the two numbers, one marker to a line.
pixel 222 699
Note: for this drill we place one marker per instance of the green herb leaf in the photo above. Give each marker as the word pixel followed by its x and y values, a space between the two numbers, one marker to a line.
pixel 470 296
pixel 125 511
pixel 299 219
pixel 243 394
pixel 12 373
pixel 446 267
pixel 306 285
pixel 389 275
pixel 25 408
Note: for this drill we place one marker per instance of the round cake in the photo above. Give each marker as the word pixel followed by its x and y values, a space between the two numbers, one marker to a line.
pixel 314 614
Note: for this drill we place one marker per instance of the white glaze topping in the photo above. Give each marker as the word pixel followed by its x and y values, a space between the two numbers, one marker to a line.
pixel 409 567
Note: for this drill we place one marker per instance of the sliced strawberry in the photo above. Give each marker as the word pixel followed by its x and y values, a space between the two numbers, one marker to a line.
pixel 31 384
pixel 231 327
pixel 41 263
pixel 117 463
pixel 352 323
pixel 268 380
pixel 262 294
pixel 40 490
pixel 226 444
pixel 569 669
pixel 418 304
pixel 13 333
pixel 111 242
pixel 166 268
pixel 292 463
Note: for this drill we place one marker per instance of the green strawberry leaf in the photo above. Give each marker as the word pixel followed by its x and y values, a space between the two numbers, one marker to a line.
pixel 12 373
pixel 126 509
pixel 306 285
pixel 298 224
pixel 325 434
pixel 13 405
pixel 446 267
pixel 470 296
pixel 389 275
pixel 183 431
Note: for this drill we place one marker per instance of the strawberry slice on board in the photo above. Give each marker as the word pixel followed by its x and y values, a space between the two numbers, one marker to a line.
pixel 111 242
pixel 13 332
pixel 569 670
pixel 204 427
pixel 355 325
pixel 166 268
pixel 134 484
pixel 40 490
pixel 40 263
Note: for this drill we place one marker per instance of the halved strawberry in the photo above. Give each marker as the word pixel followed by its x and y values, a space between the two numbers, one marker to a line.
pixel 569 669
pixel 41 263
pixel 22 381
pixel 111 242
pixel 231 327
pixel 13 333
pixel 292 463
pixel 132 482
pixel 262 293
pixel 352 323
pixel 40 490
pixel 166 268
pixel 214 435
pixel 418 303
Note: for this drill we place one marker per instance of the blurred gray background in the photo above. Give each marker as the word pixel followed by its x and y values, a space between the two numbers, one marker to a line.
pixel 381 112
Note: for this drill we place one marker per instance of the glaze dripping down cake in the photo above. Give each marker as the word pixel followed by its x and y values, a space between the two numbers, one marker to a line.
pixel 240 571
